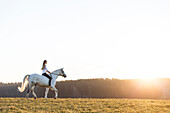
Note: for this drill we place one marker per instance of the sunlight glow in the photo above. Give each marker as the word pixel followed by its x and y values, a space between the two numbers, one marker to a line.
pixel 90 39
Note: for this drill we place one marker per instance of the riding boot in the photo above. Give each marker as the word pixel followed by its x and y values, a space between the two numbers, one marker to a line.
pixel 50 82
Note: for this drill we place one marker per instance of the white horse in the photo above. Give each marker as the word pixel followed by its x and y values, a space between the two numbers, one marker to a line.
pixel 40 80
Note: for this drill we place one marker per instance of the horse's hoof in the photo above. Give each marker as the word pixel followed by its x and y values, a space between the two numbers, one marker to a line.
pixel 55 98
pixel 35 98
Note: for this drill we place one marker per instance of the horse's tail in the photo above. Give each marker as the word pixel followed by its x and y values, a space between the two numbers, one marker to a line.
pixel 24 84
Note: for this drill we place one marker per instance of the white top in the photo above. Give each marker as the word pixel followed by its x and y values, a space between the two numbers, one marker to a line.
pixel 44 70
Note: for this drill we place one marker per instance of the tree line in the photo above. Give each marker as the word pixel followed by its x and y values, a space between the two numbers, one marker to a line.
pixel 98 88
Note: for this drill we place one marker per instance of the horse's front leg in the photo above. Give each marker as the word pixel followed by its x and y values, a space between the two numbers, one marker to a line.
pixel 46 92
pixel 56 91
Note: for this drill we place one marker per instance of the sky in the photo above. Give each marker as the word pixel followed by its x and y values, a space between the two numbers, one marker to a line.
pixel 89 38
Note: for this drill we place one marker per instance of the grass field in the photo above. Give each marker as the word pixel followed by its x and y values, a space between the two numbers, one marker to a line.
pixel 84 105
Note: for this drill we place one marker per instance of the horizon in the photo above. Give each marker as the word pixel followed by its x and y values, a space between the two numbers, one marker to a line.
pixel 141 79
pixel 90 39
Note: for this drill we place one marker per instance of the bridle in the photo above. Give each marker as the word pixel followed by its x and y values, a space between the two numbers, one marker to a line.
pixel 62 71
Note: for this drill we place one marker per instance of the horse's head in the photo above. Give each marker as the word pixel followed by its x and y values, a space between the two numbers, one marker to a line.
pixel 59 72
pixel 62 73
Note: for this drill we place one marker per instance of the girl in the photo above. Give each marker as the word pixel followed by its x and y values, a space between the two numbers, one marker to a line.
pixel 44 70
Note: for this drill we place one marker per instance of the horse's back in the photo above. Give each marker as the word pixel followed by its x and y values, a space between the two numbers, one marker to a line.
pixel 40 79
pixel 35 74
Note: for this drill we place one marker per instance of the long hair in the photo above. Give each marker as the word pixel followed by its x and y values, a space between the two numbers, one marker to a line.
pixel 43 66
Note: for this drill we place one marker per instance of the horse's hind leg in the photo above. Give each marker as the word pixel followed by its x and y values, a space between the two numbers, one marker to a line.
pixel 28 91
pixel 32 90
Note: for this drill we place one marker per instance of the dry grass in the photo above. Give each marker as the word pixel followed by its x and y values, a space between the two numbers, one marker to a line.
pixel 84 105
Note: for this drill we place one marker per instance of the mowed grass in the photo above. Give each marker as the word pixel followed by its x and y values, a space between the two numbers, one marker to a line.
pixel 84 105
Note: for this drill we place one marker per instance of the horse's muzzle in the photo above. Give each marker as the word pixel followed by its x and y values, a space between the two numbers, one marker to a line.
pixel 65 76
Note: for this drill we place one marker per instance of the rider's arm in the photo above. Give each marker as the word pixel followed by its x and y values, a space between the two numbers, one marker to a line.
pixel 47 70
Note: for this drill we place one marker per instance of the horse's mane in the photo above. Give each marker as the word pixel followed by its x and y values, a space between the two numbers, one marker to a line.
pixel 56 70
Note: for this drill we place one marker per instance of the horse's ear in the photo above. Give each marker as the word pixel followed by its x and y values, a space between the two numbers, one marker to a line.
pixel 63 68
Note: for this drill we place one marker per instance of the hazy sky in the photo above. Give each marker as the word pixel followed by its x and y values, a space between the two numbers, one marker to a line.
pixel 89 38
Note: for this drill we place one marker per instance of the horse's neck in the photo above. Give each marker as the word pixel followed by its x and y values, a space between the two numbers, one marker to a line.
pixel 54 76
pixel 57 71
